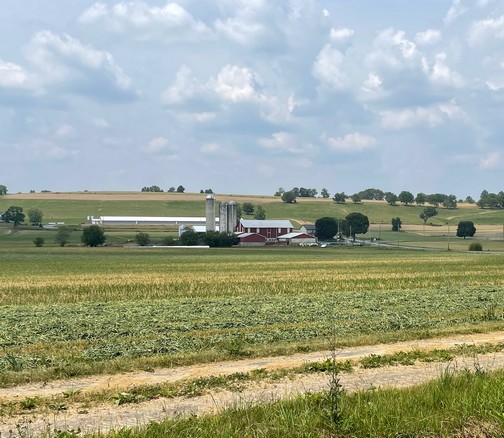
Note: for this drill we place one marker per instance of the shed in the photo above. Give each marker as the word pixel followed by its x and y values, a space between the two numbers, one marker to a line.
pixel 251 239
pixel 297 239
pixel 308 229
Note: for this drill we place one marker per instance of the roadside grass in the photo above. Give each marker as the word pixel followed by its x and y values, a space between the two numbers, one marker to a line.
pixel 463 404
pixel 237 381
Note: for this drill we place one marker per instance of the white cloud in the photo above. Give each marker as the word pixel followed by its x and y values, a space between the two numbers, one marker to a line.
pixel 431 116
pixel 439 73
pixel 283 142
pixel 184 87
pixel 342 34
pixel 328 68
pixel 146 22
pixel 429 37
pixel 372 86
pixel 355 142
pixel 485 30
pixel 492 161
pixel 156 145
pixel 235 84
pixel 13 75
pixel 495 86
pixel 65 60
pixel 456 10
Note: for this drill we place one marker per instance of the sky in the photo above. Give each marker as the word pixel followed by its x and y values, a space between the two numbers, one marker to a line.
pixel 247 96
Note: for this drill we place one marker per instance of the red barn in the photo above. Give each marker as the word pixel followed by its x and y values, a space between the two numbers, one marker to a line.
pixel 270 229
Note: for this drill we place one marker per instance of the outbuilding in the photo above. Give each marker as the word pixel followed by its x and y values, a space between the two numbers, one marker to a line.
pixel 270 229
pixel 251 239
pixel 297 239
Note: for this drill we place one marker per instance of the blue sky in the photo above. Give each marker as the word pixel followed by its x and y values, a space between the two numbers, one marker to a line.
pixel 245 96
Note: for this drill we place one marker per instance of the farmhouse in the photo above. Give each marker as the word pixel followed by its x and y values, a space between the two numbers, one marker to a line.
pixel 308 229
pixel 270 229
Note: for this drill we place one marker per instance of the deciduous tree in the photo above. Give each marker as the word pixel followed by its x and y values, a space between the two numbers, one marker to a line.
pixel 466 229
pixel 63 235
pixel 14 214
pixel 326 228
pixel 427 213
pixel 248 208
pixel 356 223
pixel 93 235
pixel 406 197
pixel 260 213
pixel 396 223
pixel 3 190
pixel 35 216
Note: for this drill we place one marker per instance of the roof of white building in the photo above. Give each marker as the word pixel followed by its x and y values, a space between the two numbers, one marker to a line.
pixel 250 223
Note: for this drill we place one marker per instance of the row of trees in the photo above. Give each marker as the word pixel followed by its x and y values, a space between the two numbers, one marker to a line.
pixel 179 189
pixel 249 209
pixel 15 215
pixel 354 223
pixel 491 200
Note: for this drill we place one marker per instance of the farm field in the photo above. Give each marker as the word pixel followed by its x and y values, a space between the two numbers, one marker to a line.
pixel 80 311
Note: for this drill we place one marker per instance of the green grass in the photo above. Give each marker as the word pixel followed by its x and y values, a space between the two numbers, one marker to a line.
pixel 465 405
pixel 305 210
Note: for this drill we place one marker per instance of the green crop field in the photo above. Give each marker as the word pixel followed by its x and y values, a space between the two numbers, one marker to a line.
pixel 74 311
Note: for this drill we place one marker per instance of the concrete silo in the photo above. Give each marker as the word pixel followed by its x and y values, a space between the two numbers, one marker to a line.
pixel 223 217
pixel 210 213
pixel 232 217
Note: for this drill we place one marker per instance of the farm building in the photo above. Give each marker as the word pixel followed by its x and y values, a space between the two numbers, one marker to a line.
pixel 308 229
pixel 251 239
pixel 270 229
pixel 297 239
pixel 146 220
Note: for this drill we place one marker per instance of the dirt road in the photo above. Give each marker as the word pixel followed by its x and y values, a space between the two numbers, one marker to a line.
pixel 106 417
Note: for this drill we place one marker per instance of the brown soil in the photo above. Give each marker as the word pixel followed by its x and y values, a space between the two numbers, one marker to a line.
pixel 107 416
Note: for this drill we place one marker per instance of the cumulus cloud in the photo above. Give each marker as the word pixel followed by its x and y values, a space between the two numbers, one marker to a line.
pixel 457 9
pixel 235 84
pixel 429 37
pixel 372 87
pixel 157 145
pixel 431 116
pixel 13 75
pixel 184 87
pixel 341 35
pixel 281 142
pixel 440 73
pixel 328 68
pixel 65 62
pixel 355 142
pixel 486 30
pixel 144 21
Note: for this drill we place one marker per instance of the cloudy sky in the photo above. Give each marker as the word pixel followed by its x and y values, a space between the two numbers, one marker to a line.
pixel 245 96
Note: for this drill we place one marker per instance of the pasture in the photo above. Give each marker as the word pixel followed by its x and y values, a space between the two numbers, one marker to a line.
pixel 76 311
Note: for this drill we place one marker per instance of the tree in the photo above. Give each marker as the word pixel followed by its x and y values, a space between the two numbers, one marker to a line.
pixel 3 190
pixel 396 223
pixel 356 199
pixel 421 198
pixel 289 197
pixel 427 213
pixel 180 189
pixel 93 235
pixel 372 194
pixel 469 200
pixel 35 216
pixel 450 201
pixel 63 235
pixel 356 223
pixel 326 228
pixel 214 239
pixel 142 239
pixel 436 199
pixel 339 198
pixel 390 198
pixel 171 189
pixel 248 208
pixel 189 238
pixel 406 198
pixel 14 214
pixel 325 194
pixel 466 229
pixel 152 189
pixel 260 213
pixel 307 193
pixel 39 242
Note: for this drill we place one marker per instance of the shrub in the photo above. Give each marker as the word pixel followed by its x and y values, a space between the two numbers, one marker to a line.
pixel 38 241
pixel 142 239
pixel 93 235
pixel 475 246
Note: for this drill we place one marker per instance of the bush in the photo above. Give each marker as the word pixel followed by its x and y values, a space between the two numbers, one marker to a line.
pixel 39 241
pixel 475 246
pixel 142 239
pixel 93 235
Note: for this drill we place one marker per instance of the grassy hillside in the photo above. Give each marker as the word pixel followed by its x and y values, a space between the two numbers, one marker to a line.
pixel 74 208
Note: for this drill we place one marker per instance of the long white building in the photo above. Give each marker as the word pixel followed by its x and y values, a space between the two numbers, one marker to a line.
pixel 147 220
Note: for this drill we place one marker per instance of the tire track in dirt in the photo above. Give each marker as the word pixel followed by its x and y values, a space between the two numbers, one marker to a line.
pixel 106 417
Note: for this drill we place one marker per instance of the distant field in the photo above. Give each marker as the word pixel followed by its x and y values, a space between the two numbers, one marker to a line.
pixel 73 208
